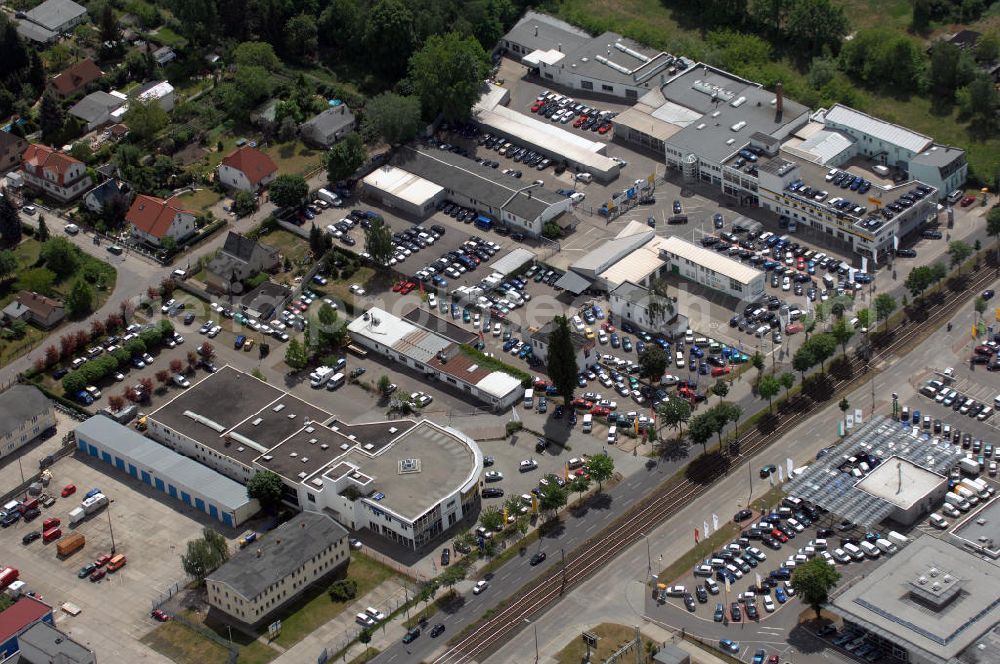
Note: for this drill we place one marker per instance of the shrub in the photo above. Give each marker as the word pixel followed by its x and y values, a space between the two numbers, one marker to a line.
pixel 343 590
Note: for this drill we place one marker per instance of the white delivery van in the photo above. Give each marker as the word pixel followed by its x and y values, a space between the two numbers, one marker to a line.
pixel 899 539
pixel 886 546
pixel 870 550
pixel 967 494
pixel 854 552
pixel 529 398
pixel 977 486
pixel 612 434
pixel 957 501
pixel 588 423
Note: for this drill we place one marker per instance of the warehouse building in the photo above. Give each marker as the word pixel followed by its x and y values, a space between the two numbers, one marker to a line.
pixel 713 270
pixel 275 570
pixel 434 355
pixel 406 480
pixel 410 185
pixel 931 603
pixel 171 473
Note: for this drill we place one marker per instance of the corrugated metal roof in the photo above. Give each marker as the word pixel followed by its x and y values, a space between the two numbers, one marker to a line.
pixel 403 185
pixel 512 261
pixel 713 261
pixel 498 384
pixel 880 129
pixel 184 472
pixel 573 282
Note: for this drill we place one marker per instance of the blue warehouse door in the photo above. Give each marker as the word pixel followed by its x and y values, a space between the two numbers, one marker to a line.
pixel 92 450
pixel 185 498
pixel 120 463
pixel 81 444
pixel 213 511
pixel 106 457
pixel 200 504
pixel 159 484
pixel 146 478
pixel 133 471
pixel 227 518
pixel 172 490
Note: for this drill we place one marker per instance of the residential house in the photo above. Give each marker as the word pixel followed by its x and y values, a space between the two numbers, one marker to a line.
pixel 47 21
pixel 112 192
pixel 164 55
pixel 153 219
pixel 96 108
pixel 278 567
pixel 36 309
pixel 72 80
pixel 328 127
pixel 54 173
pixel 12 147
pixel 247 169
pixel 239 259
pixel 25 414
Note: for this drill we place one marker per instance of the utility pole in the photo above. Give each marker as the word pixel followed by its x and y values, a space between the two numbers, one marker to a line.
pixel 110 529
pixel 562 557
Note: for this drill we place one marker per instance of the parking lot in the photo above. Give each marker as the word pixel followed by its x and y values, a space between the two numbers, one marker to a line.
pixel 149 531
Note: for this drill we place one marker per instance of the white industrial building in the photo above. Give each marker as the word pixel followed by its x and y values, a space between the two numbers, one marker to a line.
pixel 635 304
pixel 632 255
pixel 397 189
pixel 434 355
pixel 406 480
pixel 173 474
pixel 713 270
pixel 491 113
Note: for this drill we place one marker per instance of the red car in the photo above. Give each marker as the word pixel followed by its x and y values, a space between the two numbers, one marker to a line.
pixel 407 287
pixel 967 201
pixel 983 350
pixel 773 659
pixel 792 328
pixel 50 523
pixel 536 106
pixel 721 371
pixel 579 121
pixel 600 411
pixel 398 286
pixel 540 384
pixel 160 615
pixel 778 535
pixel 608 327
pixel 582 403
pixel 103 559
pixel 98 574
pixel 68 490
pixel 604 128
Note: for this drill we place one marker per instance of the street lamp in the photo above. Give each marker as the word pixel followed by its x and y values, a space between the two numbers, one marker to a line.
pixel 110 529
pixel 535 626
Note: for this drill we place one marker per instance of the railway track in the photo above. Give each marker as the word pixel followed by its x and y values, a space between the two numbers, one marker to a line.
pixel 667 500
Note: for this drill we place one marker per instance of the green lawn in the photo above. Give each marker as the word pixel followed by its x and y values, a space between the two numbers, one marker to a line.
pixel 184 645
pixel 292 246
pixel 294 158
pixel 610 637
pixel 168 37
pixel 368 654
pixel 316 608
pixel 202 199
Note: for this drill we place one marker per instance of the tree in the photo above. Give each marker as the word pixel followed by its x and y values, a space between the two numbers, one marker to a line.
pixel 393 118
pixel 383 384
pixel 345 157
pixel 389 37
pixel 145 118
pixel 720 389
pixel 80 300
pixel 51 119
pixel 958 251
pixel 757 360
pixel 320 241
pixel 842 332
pixel 266 486
pixel 60 256
pixel 980 306
pixel 553 498
pixel 378 242
pixel 844 406
pixel 207 351
pixel 787 380
pixel 674 413
pixel 199 20
pixel 343 590
pixel 295 355
pixel 244 203
pixel 579 484
pixel 288 190
pixel 923 277
pixel 8 264
pixel 301 36
pixel 813 582
pixel 447 74
pixel 452 575
pixel 992 227
pixel 864 318
pixel 42 234
pixel 701 428
pixel 768 388
pixel 815 25
pixel 823 346
pixel 256 54
pixel 652 362
pixel 804 359
pixel 601 468
pixel 10 223
pixel 491 518
pixel 562 360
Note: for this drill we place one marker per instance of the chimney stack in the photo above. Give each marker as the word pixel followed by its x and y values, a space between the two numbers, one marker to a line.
pixel 536 30
pixel 779 106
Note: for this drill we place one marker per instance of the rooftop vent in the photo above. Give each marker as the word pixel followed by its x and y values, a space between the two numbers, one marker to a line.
pixel 700 126
pixel 293 454
pixel 302 476
pixel 739 125
pixel 240 448
pixel 739 102
pixel 317 482
pixel 393 429
pixel 291 416
pixel 310 429
pixel 472 368
pixel 312 441
pixel 324 446
pixel 267 457
pixel 345 446
pixel 305 459
pixel 933 572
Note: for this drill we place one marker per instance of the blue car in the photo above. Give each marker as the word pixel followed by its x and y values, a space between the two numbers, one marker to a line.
pixel 581 381
pixel 759 657
pixel 551 391
pixel 615 341
pixel 693 364
pixel 730 646
pixel 509 344
pixel 524 352
pixel 439 280
pixel 703 368
pixel 639 347
pixel 779 594
pixel 598 311
pixel 83 397
pixel 697 352
pixel 92 493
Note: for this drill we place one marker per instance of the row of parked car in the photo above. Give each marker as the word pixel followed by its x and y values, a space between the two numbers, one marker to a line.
pixel 558 108
pixel 517 153
pixel 453 264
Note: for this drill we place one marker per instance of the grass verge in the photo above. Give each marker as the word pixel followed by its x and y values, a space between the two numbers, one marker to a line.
pixel 184 645
pixel 368 654
pixel 316 608
pixel 610 637
pixel 251 651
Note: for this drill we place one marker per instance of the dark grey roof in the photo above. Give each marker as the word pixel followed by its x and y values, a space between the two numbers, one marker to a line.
pixel 266 297
pixel 279 553
pixel 9 141
pixel 225 266
pixel 540 31
pixel 488 186
pixel 34 32
pixel 573 282
pixel 18 404
pixel 331 120
pixel 95 106
pixel 56 646
pixel 243 248
pixel 938 156
pixel 52 14
pixel 108 190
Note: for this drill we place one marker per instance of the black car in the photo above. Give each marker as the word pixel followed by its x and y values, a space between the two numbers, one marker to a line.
pixel 735 613
pixel 537 559
pixel 906 253
pixel 752 611
pixel 32 514
pixel 931 235
pixel 988 294
pixel 689 602
pixel 86 570
pixel 412 635
pixel 492 492
pixel 445 556
pixel 437 630
pixel 742 515
pixel 701 594
pixel 188 318
pixel 30 537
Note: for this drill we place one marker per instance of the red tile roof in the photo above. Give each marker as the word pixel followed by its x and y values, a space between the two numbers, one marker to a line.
pixel 38 159
pixel 25 612
pixel 255 164
pixel 153 215
pixel 75 77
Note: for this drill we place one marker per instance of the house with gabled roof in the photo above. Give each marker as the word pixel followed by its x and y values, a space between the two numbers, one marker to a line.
pixel 247 169
pixel 54 173
pixel 74 79
pixel 154 219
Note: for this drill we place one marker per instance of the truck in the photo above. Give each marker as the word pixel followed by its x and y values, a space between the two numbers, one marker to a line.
pixel 8 576
pixel 318 378
pixel 492 281
pixel 957 501
pixel 969 466
pixel 979 486
pixel 329 197
pixel 466 294
pixel 16 589
pixel 898 539
pixel 966 493
pixel 248 537
pixel 70 544
pixel 94 503
pixel 76 515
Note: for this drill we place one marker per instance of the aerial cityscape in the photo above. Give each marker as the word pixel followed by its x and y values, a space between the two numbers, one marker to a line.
pixel 490 332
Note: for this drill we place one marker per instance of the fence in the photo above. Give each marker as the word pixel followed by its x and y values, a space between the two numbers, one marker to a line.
pixel 164 597
pixel 234 653
pixel 22 489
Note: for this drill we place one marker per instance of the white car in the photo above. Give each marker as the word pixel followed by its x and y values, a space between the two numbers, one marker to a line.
pixel 72 229
pixel 768 604
pixel 480 587
pixel 432 300
pixel 578 323
pixel 602 337
pixel 357 289
pixel 421 399
pixel 377 615
pixel 669 379
pixel 496 330
pixel 166 305
pixel 676 591
pixel 493 476
pixel 527 464
pixel 214 332
pixel 93 391
pixel 181 381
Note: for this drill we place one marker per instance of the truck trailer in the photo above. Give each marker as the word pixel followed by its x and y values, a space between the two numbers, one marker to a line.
pixel 70 544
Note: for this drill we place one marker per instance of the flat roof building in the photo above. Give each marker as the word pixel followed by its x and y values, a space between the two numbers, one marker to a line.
pixel 42 643
pixel 712 269
pixel 173 474
pixel 911 489
pixel 926 604
pixel 400 189
pixel 406 480
pixel 276 568
pixel 979 531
